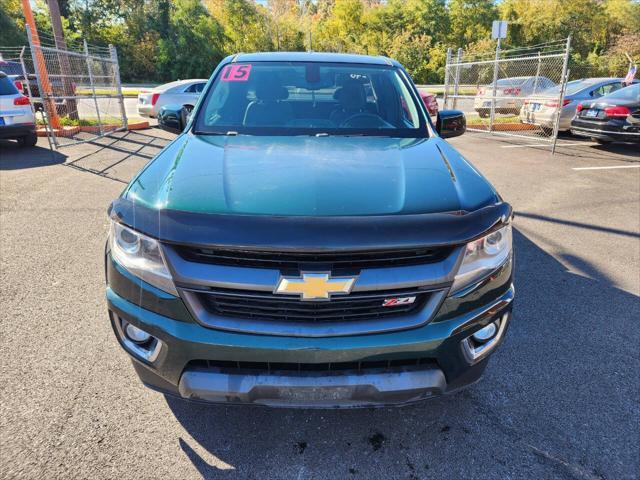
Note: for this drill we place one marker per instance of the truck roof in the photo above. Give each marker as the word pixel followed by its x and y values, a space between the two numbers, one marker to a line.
pixel 311 57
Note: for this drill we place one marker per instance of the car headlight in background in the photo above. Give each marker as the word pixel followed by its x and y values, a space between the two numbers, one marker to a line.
pixel 483 256
pixel 141 256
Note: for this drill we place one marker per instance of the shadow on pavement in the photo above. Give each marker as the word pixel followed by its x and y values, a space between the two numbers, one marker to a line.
pixel 571 223
pixel 117 156
pixel 557 400
pixel 13 157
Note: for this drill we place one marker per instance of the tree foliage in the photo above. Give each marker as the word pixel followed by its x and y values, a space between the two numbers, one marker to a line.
pixel 160 40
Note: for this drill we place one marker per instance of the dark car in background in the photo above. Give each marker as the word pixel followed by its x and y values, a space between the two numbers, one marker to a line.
pixel 29 86
pixel 310 240
pixel 14 71
pixel 612 118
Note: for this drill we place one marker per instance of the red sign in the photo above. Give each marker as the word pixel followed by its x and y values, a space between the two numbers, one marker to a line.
pixel 236 73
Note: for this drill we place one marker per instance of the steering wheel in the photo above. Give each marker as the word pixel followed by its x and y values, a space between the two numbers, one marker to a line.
pixel 370 120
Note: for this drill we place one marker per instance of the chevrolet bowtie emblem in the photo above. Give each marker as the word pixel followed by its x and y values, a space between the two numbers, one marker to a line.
pixel 315 286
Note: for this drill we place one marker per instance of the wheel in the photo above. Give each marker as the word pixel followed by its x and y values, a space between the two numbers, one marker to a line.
pixel 28 140
pixel 483 113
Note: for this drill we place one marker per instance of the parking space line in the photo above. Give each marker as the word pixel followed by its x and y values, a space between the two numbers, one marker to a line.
pixel 607 168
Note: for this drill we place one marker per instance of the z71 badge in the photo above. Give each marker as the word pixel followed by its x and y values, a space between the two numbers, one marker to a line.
pixel 394 302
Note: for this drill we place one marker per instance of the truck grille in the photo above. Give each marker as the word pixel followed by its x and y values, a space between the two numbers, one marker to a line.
pixel 258 305
pixel 337 262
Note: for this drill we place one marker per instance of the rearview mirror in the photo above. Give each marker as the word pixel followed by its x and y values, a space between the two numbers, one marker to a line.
pixel 174 118
pixel 451 123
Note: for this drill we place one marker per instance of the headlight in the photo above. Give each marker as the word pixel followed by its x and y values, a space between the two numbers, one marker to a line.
pixel 141 256
pixel 483 256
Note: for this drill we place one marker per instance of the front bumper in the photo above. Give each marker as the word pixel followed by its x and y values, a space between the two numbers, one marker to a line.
pixel 212 365
pixel 348 389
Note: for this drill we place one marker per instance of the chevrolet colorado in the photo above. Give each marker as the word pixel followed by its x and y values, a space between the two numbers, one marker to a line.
pixel 310 240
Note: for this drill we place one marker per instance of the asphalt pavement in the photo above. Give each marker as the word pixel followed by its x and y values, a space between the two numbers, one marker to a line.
pixel 558 400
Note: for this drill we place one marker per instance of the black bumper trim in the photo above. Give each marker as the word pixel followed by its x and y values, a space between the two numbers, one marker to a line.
pixel 16 131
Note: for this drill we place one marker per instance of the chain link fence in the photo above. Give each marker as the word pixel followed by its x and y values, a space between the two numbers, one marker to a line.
pixel 76 91
pixel 517 92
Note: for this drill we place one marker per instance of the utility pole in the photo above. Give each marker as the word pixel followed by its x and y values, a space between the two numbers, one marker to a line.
pixel 65 68
pixel 41 66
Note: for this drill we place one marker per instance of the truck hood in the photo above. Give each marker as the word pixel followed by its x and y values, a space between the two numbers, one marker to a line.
pixel 310 176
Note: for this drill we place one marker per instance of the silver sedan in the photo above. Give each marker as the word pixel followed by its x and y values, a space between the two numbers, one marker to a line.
pixel 541 109
pixel 183 92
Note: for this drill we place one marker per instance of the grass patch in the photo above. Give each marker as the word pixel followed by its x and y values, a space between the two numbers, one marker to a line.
pixel 82 122
pixel 440 90
pixel 126 91
pixel 476 120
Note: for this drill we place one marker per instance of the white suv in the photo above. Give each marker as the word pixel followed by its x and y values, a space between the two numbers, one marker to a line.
pixel 16 117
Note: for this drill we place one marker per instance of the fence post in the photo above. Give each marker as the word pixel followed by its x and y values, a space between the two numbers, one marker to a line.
pixel 45 95
pixel 496 69
pixel 26 78
pixel 565 77
pixel 535 85
pixel 445 98
pixel 457 79
pixel 116 73
pixel 93 86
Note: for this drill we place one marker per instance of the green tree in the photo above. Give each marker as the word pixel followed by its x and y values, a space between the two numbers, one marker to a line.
pixel 343 28
pixel 471 20
pixel 540 21
pixel 246 25
pixel 11 28
pixel 194 44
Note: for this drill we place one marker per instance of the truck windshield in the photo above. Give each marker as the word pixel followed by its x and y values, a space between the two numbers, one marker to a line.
pixel 310 98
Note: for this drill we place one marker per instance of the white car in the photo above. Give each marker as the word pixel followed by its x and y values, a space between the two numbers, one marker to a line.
pixel 17 121
pixel 183 92
pixel 510 94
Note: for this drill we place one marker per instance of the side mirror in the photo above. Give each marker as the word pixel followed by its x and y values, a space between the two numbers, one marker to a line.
pixel 173 118
pixel 451 123
pixel 185 114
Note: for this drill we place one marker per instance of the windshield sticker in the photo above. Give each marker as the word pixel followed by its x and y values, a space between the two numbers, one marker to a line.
pixel 236 73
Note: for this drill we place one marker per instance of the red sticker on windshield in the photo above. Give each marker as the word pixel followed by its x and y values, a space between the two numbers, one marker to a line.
pixel 236 73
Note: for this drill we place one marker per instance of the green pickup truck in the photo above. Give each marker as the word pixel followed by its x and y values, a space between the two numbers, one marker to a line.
pixel 309 240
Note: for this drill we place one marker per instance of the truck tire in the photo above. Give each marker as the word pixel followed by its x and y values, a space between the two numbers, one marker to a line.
pixel 28 140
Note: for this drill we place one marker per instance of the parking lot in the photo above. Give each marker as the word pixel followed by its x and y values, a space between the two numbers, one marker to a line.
pixel 558 400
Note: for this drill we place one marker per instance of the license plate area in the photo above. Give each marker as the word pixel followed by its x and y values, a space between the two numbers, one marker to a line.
pixel 315 394
pixel 591 113
pixel 535 107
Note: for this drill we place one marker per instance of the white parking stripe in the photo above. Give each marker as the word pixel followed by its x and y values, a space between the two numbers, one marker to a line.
pixel 543 145
pixel 607 168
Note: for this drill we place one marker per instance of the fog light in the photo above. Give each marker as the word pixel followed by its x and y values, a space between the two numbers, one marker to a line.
pixel 136 335
pixel 136 341
pixel 479 344
pixel 485 333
